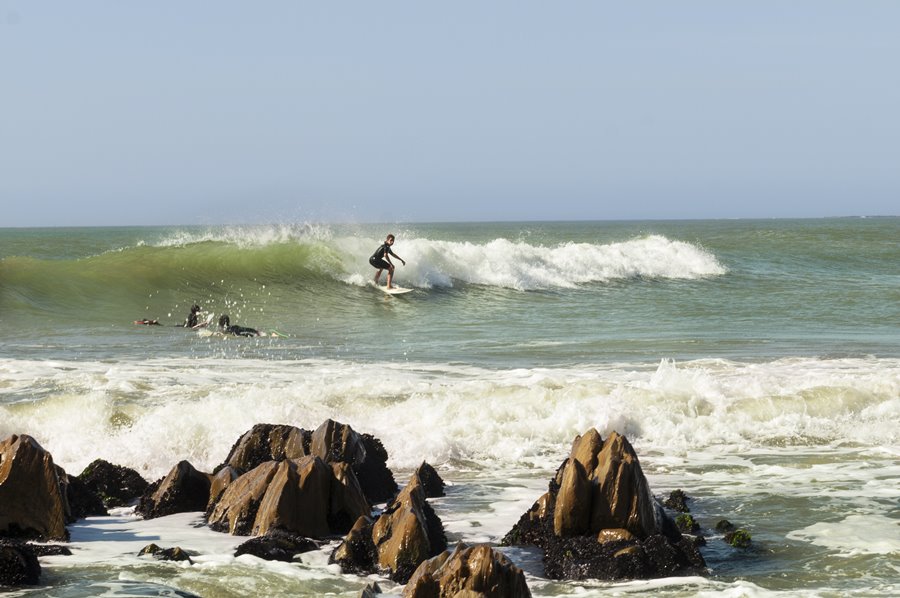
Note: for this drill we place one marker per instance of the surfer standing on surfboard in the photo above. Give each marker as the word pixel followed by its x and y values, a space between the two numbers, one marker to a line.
pixel 381 260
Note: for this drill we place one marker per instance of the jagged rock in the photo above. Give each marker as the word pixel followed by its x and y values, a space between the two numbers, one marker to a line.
pixel 50 549
pixel 175 553
pixel 267 442
pixel 370 591
pixel 677 501
pixel 115 485
pixel 303 496
pixel 334 442
pixel 19 564
pixel 83 502
pixel 600 520
pixel 220 482
pixel 277 545
pixel 33 499
pixel 431 481
pixel 357 553
pixel 183 490
pixel 235 512
pixel 407 533
pixel 467 572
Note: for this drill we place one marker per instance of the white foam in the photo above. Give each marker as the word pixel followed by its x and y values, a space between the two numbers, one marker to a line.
pixel 854 535
pixel 520 265
pixel 150 414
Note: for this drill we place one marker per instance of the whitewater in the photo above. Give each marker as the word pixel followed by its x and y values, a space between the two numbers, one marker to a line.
pixel 753 364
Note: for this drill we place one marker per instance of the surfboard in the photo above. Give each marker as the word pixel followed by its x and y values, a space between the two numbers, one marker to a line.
pixel 395 290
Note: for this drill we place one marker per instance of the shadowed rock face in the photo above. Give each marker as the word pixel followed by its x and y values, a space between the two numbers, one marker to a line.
pixel 31 494
pixel 334 442
pixel 599 519
pixel 115 485
pixel 19 564
pixel 407 533
pixel 184 489
pixel 468 571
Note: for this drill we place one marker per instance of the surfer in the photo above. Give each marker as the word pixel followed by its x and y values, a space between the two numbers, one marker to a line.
pixel 146 322
pixel 226 328
pixel 193 319
pixel 381 260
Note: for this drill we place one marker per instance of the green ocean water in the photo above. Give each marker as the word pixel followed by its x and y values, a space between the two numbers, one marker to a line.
pixel 753 363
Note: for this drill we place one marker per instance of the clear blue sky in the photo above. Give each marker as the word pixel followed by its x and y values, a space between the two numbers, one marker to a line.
pixel 280 111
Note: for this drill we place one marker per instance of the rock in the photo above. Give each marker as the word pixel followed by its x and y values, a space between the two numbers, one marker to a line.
pixel 572 516
pixel 19 564
pixel 34 502
pixel 116 485
pixel 83 502
pixel 304 496
pixel 183 490
pixel 467 572
pixel 739 538
pixel 297 499
pixel 370 591
pixel 166 554
pixel 431 481
pixel 267 442
pixel 235 512
pixel 334 442
pixel 357 553
pixel 724 526
pixel 600 520
pixel 220 482
pixel 49 549
pixel 277 545
pixel 677 501
pixel 686 524
pixel 407 533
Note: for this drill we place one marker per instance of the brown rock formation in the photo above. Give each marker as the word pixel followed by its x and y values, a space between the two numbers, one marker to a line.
pixel 334 442
pixel 32 497
pixel 599 518
pixel 115 485
pixel 184 489
pixel 469 571
pixel 303 496
pixel 407 533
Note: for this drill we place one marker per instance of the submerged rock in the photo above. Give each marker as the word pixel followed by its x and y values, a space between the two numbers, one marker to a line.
pixel 19 564
pixel 277 545
pixel 600 520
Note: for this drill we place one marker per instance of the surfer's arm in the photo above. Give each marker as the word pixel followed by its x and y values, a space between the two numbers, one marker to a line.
pixel 395 255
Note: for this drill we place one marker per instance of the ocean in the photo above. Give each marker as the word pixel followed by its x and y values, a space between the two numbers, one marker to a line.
pixel 754 364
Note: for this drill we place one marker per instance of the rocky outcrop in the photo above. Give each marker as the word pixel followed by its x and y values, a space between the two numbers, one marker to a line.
pixel 599 519
pixel 267 442
pixel 116 486
pixel 406 534
pixel 184 489
pixel 18 564
pixel 31 491
pixel 304 496
pixel 176 553
pixel 334 442
pixel 83 502
pixel 469 571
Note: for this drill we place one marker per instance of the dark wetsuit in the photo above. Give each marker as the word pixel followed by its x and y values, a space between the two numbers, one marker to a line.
pixel 241 331
pixel 378 258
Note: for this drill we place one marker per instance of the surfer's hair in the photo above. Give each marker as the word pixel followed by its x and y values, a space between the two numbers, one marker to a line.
pixel 389 237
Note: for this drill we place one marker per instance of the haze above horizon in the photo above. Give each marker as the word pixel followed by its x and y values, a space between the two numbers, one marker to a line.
pixel 213 113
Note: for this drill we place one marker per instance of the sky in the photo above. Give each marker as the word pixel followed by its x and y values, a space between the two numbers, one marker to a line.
pixel 202 112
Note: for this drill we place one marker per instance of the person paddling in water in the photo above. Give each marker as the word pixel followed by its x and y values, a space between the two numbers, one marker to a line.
pixel 381 261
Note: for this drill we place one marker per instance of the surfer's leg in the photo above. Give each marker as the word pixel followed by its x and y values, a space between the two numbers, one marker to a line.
pixel 377 276
pixel 390 276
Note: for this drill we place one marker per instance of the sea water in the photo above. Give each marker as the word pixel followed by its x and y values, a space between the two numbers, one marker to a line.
pixel 753 364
